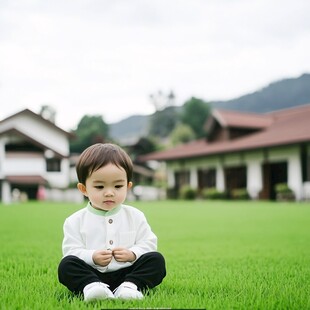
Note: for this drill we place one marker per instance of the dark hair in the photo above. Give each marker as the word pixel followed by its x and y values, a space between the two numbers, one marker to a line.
pixel 99 155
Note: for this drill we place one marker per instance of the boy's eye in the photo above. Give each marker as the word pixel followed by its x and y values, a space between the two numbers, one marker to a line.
pixel 119 186
pixel 99 186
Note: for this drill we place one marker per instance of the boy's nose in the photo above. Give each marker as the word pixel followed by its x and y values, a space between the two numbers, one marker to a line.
pixel 109 193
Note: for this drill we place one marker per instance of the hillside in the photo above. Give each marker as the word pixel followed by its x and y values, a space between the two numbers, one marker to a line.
pixel 276 96
pixel 281 94
pixel 129 130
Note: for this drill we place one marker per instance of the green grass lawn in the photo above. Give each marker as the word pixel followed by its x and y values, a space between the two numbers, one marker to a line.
pixel 219 255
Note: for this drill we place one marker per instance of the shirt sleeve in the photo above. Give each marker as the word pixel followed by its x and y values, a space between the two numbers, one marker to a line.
pixel 146 240
pixel 73 243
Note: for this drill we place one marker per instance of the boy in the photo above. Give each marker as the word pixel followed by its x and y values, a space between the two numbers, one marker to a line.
pixel 109 249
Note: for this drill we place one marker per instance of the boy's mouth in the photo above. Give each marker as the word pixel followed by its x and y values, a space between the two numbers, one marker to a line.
pixel 108 201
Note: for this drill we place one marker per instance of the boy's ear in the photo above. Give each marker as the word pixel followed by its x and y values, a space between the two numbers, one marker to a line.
pixel 129 185
pixel 82 188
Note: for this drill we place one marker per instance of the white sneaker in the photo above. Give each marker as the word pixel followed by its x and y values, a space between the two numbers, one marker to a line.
pixel 128 290
pixel 97 290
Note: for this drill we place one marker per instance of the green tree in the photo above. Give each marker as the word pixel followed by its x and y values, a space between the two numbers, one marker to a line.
pixel 91 129
pixel 194 114
pixel 182 133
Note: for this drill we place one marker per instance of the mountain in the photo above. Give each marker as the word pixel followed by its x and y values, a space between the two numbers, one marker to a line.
pixel 129 130
pixel 278 95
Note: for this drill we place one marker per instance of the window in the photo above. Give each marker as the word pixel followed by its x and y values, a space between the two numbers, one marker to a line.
pixel 53 165
pixel 206 178
pixel 307 178
pixel 305 163
pixel 235 177
pixel 181 178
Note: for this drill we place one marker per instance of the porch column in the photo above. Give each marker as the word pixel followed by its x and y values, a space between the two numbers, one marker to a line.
pixel 220 179
pixel 294 175
pixel 6 192
pixel 170 178
pixel 254 179
pixel 193 178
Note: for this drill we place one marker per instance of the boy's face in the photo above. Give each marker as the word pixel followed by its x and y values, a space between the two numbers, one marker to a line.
pixel 106 188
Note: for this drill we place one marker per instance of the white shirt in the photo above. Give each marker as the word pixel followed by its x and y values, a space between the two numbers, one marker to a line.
pixel 90 229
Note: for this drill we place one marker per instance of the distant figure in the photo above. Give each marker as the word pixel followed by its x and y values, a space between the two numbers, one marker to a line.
pixel 109 248
pixel 41 194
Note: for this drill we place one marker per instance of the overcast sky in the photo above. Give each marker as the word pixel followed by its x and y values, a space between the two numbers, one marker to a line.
pixel 105 57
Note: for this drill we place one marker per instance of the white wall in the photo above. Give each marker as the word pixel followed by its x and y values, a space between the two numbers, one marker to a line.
pixel 24 166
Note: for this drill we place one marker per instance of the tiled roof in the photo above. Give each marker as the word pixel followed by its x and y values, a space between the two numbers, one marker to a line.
pixel 26 179
pixel 287 127
pixel 228 118
pixel 40 118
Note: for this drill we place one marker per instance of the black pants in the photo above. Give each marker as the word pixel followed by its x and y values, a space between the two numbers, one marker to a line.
pixel 147 272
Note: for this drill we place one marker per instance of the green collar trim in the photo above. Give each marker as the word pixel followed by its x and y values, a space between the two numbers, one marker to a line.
pixel 102 212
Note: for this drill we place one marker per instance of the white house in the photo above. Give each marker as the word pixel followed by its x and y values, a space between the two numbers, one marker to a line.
pixel 34 154
pixel 245 151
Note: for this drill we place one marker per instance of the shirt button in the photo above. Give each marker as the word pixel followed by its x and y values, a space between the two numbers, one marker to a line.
pixel 110 221
pixel 111 242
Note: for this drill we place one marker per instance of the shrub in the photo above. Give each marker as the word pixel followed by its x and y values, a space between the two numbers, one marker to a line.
pixel 187 192
pixel 282 188
pixel 240 193
pixel 213 193
pixel 172 193
pixel 283 192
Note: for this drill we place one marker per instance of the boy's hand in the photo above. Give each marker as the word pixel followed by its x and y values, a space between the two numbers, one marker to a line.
pixel 102 257
pixel 123 255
